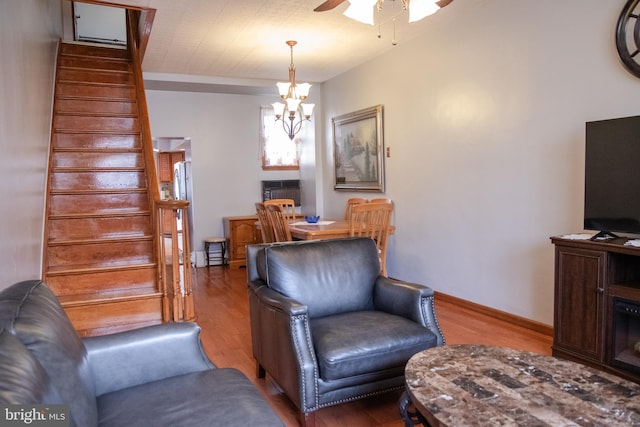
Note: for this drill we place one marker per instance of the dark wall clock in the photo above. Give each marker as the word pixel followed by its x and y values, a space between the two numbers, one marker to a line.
pixel 628 37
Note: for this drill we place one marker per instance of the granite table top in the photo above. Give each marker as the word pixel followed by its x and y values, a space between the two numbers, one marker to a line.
pixel 476 385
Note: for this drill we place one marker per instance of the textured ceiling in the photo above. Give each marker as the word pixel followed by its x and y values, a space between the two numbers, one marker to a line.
pixel 245 39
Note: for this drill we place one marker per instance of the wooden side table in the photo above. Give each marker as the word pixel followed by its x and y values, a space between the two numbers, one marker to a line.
pixel 476 385
pixel 240 231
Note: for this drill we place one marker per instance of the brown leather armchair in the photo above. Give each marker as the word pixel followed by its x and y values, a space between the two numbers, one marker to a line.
pixel 327 327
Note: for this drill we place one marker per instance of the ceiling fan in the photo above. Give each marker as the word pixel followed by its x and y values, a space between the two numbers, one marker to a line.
pixel 331 4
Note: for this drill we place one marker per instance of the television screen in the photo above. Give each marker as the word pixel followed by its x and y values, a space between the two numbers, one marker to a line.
pixel 612 176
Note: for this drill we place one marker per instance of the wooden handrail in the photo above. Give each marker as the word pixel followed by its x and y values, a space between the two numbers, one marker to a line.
pixel 174 270
pixel 145 129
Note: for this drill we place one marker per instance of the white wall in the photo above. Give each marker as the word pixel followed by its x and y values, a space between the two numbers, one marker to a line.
pixel 225 148
pixel 485 119
pixel 29 30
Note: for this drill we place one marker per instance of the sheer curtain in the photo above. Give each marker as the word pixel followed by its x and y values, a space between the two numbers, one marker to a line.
pixel 277 150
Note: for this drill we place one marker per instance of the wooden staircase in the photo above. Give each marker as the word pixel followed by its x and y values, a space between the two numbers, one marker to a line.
pixel 99 242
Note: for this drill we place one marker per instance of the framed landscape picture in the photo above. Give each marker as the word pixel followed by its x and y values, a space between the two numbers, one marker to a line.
pixel 358 150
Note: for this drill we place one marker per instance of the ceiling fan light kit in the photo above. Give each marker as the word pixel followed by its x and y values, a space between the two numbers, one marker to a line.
pixel 419 9
pixel 363 10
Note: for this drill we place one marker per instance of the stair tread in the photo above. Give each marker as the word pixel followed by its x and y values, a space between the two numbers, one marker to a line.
pixel 94 57
pixel 110 296
pixel 92 83
pixel 94 98
pixel 101 215
pixel 122 97
pixel 120 238
pixel 74 113
pixel 112 329
pixel 109 150
pixel 113 266
pixel 98 70
pixel 101 191
pixel 60 169
pixel 97 132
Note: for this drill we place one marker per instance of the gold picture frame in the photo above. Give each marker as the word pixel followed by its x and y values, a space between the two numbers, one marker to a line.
pixel 358 150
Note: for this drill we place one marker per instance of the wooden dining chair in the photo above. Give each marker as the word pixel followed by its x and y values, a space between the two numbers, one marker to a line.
pixel 353 201
pixel 288 206
pixel 266 229
pixel 373 220
pixel 381 200
pixel 279 223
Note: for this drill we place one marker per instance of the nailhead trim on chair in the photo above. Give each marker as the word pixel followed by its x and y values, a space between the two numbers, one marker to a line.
pixel 300 359
pixel 427 305
pixel 360 396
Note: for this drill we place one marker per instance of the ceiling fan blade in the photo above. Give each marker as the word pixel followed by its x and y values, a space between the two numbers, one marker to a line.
pixel 328 5
pixel 443 3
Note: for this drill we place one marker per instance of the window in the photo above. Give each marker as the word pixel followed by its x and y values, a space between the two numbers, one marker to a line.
pixel 278 151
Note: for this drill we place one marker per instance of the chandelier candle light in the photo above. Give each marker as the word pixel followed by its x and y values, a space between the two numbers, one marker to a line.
pixel 293 96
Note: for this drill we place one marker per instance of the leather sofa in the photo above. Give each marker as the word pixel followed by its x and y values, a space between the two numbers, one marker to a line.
pixel 327 327
pixel 153 376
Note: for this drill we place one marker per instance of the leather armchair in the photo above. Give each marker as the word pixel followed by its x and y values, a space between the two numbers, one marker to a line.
pixel 327 327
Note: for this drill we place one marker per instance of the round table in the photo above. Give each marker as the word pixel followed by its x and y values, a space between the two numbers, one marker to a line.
pixel 477 385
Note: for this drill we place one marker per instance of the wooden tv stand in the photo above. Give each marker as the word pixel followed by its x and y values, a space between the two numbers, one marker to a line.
pixel 590 278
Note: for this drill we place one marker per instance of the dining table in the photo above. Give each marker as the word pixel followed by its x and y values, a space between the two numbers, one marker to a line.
pixel 323 229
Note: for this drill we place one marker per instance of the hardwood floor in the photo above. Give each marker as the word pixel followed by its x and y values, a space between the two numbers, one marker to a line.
pixel 221 305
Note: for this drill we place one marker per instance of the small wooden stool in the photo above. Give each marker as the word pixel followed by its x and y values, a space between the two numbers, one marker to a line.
pixel 223 249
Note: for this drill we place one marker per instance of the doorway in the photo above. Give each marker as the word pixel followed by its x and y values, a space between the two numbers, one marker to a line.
pixel 99 24
pixel 173 164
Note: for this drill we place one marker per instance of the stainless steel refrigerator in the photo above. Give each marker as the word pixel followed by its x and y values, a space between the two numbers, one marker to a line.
pixel 183 190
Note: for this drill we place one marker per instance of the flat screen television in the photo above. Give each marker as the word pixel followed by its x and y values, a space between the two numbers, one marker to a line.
pixel 612 177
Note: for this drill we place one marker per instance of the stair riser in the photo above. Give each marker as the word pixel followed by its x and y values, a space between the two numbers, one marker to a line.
pixel 97 106
pixel 93 63
pixel 115 314
pixel 98 91
pixel 64 204
pixel 97 180
pixel 109 281
pixel 82 75
pixel 93 51
pixel 101 254
pixel 88 123
pixel 89 141
pixel 99 228
pixel 66 159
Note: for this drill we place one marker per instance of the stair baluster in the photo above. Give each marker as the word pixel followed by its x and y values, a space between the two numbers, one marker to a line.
pixel 175 260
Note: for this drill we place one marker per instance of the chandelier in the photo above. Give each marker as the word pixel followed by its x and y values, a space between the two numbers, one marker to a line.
pixel 293 111
pixel 362 10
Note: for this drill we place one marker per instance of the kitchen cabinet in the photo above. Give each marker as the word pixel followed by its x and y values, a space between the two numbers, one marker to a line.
pixel 166 160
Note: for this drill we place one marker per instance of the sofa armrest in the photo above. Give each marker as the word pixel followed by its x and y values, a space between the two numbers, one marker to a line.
pixel 281 341
pixel 130 358
pixel 279 302
pixel 410 300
